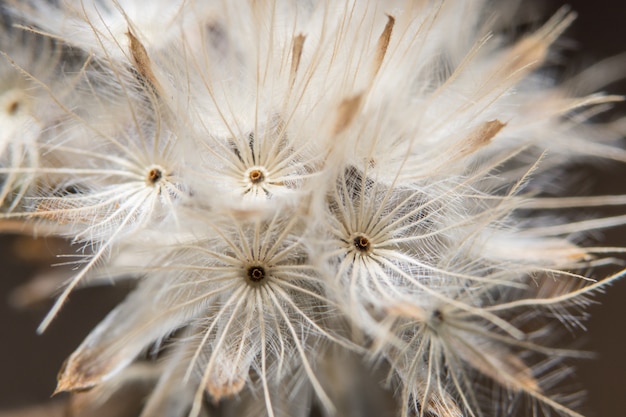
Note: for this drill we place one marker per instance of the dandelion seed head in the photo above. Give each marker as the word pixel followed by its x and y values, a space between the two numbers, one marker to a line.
pixel 279 177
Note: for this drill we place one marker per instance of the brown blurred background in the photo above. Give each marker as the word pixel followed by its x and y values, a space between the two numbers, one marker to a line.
pixel 600 32
pixel 29 363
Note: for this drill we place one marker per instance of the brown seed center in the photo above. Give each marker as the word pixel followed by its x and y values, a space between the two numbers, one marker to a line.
pixel 362 243
pixel 437 315
pixel 256 273
pixel 256 176
pixel 154 175
pixel 13 107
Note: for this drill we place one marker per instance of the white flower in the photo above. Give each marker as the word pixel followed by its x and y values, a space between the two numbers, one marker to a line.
pixel 24 108
pixel 105 178
pixel 250 296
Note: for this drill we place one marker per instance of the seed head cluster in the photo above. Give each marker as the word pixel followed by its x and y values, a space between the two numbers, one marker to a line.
pixel 284 180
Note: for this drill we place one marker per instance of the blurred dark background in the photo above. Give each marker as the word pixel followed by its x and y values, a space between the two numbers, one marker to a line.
pixel 29 363
pixel 600 32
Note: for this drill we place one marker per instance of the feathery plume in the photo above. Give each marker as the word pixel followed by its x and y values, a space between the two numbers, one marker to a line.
pixel 287 179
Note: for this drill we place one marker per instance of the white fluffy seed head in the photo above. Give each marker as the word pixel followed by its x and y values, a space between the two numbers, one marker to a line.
pixel 275 174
